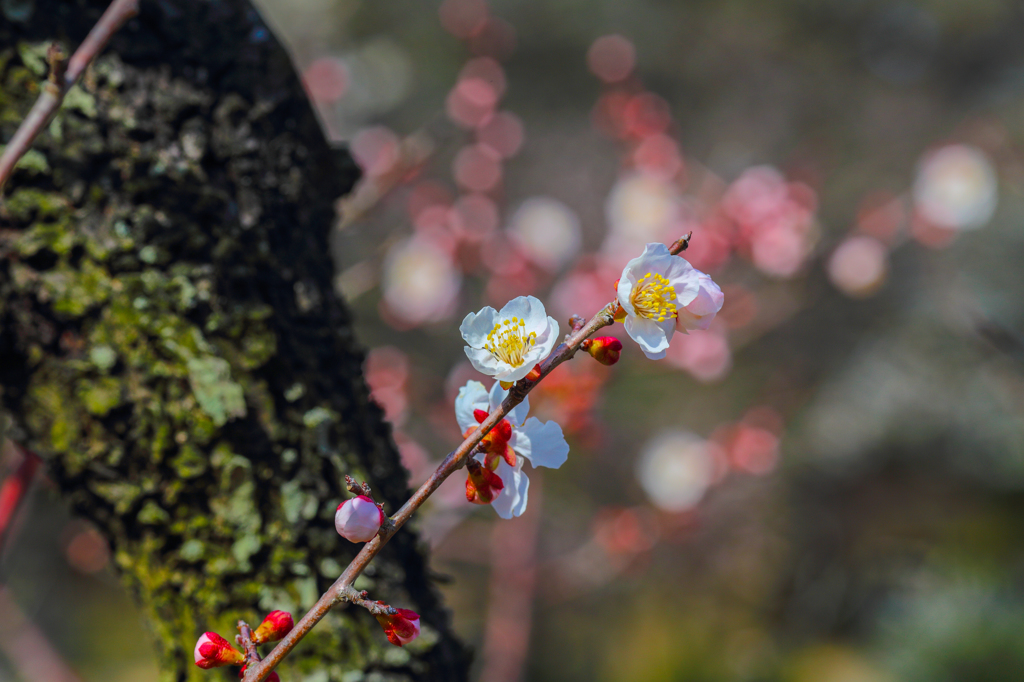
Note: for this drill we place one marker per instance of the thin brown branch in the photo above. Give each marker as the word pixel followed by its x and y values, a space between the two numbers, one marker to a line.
pixel 244 640
pixel 54 90
pixel 342 589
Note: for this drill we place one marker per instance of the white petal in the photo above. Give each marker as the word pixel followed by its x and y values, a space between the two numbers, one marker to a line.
pixel 476 326
pixel 510 373
pixel 517 415
pixel 702 310
pixel 519 307
pixel 484 361
pixel 652 337
pixel 511 501
pixel 547 339
pixel 472 396
pixel 684 278
pixel 540 442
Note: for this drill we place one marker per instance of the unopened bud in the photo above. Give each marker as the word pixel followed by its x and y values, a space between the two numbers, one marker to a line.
pixel 213 651
pixel 483 485
pixel 276 625
pixel 604 349
pixel 401 627
pixel 358 519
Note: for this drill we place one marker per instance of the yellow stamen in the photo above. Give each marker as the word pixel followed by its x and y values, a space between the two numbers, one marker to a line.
pixel 509 342
pixel 654 298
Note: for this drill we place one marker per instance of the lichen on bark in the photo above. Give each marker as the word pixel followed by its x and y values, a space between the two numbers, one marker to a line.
pixel 171 344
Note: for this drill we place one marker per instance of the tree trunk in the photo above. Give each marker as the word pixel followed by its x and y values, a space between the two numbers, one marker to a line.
pixel 171 344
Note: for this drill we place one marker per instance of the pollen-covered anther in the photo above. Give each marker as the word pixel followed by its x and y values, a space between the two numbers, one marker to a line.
pixel 654 298
pixel 509 341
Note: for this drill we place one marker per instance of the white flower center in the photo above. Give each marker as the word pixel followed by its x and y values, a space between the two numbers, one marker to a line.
pixel 509 342
pixel 654 298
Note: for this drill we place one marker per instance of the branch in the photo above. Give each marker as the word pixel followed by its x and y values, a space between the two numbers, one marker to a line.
pixel 62 77
pixel 342 589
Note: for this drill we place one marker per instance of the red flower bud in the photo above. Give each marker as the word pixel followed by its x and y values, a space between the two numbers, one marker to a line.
pixel 358 519
pixel 213 651
pixel 402 627
pixel 483 485
pixel 276 625
pixel 605 349
pixel 534 374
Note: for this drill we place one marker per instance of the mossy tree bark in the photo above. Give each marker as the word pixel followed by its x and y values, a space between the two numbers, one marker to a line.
pixel 170 341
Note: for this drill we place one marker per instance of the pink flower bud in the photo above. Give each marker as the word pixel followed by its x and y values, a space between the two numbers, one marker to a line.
pixel 401 628
pixel 276 625
pixel 213 651
pixel 358 519
pixel 604 349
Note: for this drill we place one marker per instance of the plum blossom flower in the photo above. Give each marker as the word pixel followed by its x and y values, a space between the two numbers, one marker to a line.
pixel 213 651
pixel 512 442
pixel 507 344
pixel 652 290
pixel 699 312
pixel 401 627
pixel 358 519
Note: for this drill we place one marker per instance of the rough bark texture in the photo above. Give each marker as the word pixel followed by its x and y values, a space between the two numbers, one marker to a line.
pixel 171 344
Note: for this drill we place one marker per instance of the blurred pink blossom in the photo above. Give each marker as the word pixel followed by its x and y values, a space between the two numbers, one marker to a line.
pixel 503 133
pixel 611 58
pixel 463 18
pixel 477 168
pixel 704 354
pixel 471 102
pixel 326 79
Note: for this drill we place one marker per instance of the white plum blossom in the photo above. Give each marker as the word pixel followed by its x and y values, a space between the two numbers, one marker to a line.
pixel 699 313
pixel 652 291
pixel 506 345
pixel 540 443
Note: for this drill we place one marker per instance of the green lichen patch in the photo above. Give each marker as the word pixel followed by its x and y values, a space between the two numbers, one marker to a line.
pixel 219 396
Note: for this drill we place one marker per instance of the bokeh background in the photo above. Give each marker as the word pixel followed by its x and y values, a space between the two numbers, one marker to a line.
pixel 827 485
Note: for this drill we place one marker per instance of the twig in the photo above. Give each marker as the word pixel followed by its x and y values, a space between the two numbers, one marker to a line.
pixel 342 589
pixel 13 489
pixel 61 80
pixel 244 640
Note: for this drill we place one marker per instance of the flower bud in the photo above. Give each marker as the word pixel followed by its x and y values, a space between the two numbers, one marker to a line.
pixel 276 625
pixel 213 651
pixel 358 519
pixel 402 627
pixel 483 485
pixel 604 349
pixel 496 440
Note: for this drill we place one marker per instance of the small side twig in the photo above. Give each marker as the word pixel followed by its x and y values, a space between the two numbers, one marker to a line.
pixel 244 640
pixel 63 74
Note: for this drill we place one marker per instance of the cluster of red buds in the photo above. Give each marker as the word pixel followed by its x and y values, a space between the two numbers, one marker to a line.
pixel 213 651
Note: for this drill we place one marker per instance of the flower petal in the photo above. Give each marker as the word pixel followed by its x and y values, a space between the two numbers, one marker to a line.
pixel 484 361
pixel 540 442
pixel 472 396
pixel 651 336
pixel 476 326
pixel 511 501
pixel 702 310
pixel 520 307
pixel 517 415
